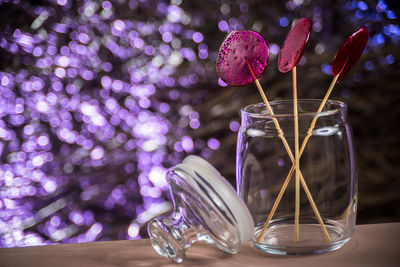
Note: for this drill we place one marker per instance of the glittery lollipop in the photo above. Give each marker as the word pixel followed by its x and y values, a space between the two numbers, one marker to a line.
pixel 242 54
pixel 289 57
pixel 242 59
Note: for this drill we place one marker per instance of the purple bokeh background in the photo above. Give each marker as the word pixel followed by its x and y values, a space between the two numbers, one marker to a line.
pixel 92 117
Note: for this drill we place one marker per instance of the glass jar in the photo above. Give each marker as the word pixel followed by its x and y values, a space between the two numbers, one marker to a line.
pixel 266 177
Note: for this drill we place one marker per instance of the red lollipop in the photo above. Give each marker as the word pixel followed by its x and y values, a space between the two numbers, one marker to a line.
pixel 294 45
pixel 241 50
pixel 349 53
pixel 289 57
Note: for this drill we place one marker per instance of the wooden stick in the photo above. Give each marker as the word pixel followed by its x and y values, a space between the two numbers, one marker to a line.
pixel 276 123
pixel 321 106
pixel 286 145
pixel 296 155
pixel 279 197
pixel 289 176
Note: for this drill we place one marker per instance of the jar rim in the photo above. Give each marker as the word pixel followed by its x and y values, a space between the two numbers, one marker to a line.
pixel 337 107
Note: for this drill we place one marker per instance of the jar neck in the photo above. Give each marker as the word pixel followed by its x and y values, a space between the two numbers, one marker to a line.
pixel 283 111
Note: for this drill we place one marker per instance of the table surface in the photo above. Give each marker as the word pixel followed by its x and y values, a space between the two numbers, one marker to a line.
pixel 372 245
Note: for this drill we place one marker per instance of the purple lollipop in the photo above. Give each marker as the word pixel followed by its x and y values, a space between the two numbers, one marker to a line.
pixel 349 53
pixel 241 50
pixel 294 45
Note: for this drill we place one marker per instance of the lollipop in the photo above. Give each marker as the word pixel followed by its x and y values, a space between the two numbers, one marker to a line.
pixel 242 59
pixel 349 53
pixel 242 53
pixel 289 57
pixel 347 56
pixel 294 45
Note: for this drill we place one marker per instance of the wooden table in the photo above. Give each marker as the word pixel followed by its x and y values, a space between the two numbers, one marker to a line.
pixel 372 245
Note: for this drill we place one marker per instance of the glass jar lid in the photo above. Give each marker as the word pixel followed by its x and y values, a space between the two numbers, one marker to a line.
pixel 206 208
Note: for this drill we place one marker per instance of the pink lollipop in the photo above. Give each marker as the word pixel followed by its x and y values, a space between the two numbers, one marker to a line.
pixel 349 53
pixel 240 51
pixel 294 45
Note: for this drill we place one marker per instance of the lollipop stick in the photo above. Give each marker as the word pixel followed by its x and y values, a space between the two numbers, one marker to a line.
pixel 276 123
pixel 263 96
pixel 296 155
pixel 321 106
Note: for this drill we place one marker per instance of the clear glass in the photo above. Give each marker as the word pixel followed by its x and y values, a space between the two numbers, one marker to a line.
pixel 327 166
pixel 206 208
